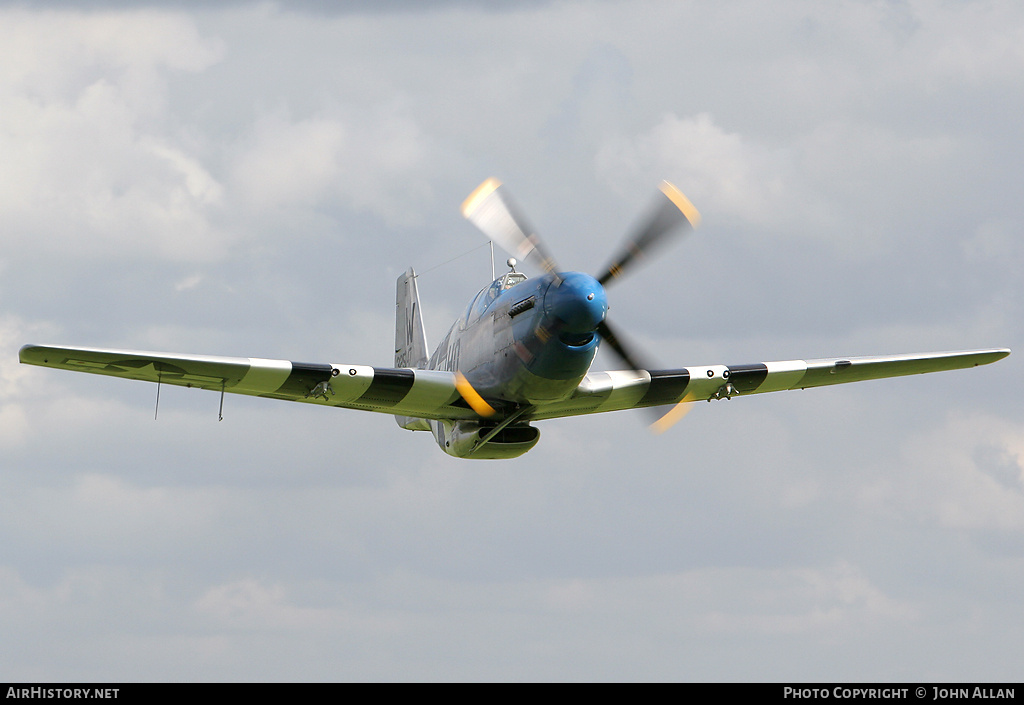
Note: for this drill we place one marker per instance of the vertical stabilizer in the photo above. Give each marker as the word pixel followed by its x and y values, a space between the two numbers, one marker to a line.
pixel 410 336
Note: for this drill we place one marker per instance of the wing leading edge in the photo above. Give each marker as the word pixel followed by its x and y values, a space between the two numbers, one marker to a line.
pixel 617 390
pixel 427 394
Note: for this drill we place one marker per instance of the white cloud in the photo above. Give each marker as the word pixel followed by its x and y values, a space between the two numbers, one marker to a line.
pixel 103 513
pixel 977 44
pixel 846 182
pixel 249 603
pixel 806 600
pixel 52 56
pixel 16 392
pixel 90 161
pixel 289 163
pixel 376 161
pixel 723 172
pixel 966 474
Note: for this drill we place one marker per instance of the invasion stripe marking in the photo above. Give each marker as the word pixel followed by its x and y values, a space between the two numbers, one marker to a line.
pixel 595 389
pixel 747 378
pixel 785 374
pixel 303 377
pixel 598 388
pixel 264 375
pixel 431 390
pixel 389 386
pixel 667 387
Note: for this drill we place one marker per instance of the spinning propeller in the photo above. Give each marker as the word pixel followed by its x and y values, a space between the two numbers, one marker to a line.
pixel 491 210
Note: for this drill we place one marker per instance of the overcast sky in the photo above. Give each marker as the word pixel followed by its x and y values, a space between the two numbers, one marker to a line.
pixel 243 179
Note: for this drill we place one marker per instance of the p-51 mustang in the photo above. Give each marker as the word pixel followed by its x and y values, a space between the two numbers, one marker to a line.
pixel 520 353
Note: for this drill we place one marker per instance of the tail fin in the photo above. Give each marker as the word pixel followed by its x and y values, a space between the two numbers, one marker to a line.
pixel 410 336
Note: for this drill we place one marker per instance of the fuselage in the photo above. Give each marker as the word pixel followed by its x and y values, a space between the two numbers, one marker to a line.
pixel 524 341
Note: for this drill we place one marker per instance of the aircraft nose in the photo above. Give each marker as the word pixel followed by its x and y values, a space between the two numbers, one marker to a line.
pixel 580 302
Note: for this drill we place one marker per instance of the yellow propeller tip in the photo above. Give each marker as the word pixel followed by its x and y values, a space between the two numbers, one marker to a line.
pixel 681 202
pixel 481 192
pixel 671 418
pixel 472 397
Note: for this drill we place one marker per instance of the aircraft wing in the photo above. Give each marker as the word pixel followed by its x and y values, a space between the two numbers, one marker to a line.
pixel 612 391
pixel 428 394
pixel 432 394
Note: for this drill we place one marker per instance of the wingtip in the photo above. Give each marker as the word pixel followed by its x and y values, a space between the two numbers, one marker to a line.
pixel 24 354
pixel 992 355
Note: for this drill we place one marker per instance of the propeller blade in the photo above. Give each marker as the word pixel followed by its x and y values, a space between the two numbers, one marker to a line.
pixel 472 397
pixel 633 362
pixel 671 215
pixel 661 422
pixel 673 416
pixel 491 210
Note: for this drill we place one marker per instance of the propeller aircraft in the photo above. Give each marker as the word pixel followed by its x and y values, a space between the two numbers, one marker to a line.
pixel 521 352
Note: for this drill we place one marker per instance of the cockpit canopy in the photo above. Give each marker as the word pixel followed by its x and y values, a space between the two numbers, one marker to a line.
pixel 510 279
pixel 488 294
